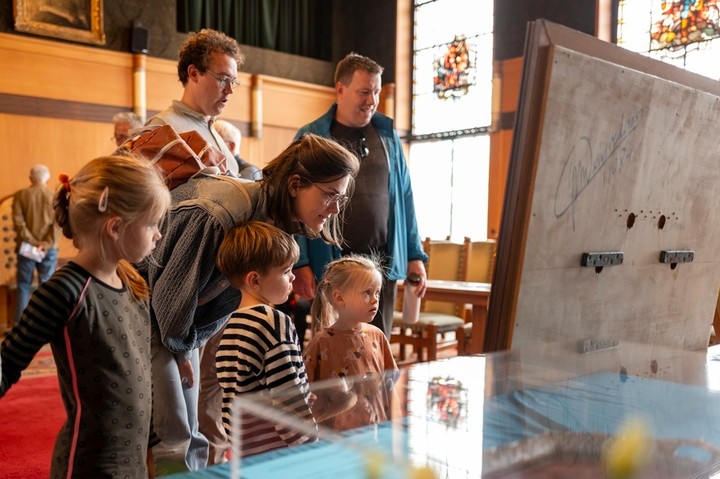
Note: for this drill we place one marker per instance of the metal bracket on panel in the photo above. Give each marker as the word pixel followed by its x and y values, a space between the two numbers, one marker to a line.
pixel 602 258
pixel 590 345
pixel 677 256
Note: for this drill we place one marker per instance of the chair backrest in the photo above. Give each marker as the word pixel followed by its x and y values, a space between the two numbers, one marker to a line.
pixel 480 260
pixel 447 261
pixel 7 240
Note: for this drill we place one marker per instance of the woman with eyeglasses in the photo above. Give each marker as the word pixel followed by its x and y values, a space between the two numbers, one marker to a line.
pixel 300 192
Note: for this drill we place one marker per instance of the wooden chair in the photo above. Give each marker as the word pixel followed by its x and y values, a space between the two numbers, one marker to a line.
pixel 437 319
pixel 480 268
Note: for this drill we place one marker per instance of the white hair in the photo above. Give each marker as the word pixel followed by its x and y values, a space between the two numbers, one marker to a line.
pixel 39 173
pixel 128 117
pixel 229 132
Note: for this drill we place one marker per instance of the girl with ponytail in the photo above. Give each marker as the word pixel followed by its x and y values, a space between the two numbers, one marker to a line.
pixel 94 313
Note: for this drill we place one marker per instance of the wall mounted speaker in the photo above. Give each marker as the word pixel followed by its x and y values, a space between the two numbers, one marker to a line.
pixel 140 38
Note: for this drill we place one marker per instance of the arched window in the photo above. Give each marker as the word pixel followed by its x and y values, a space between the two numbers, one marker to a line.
pixel 451 116
pixel 685 33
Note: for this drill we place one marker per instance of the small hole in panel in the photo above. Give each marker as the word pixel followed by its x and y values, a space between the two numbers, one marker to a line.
pixel 598 269
pixel 661 222
pixel 631 220
pixel 673 265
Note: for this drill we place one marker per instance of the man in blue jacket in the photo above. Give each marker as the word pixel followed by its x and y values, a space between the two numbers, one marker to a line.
pixel 381 215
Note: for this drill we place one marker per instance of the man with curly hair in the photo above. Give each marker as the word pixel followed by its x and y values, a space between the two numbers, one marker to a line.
pixel 188 416
pixel 207 68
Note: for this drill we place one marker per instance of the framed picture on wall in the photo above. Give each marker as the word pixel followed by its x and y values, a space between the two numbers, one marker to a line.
pixel 75 20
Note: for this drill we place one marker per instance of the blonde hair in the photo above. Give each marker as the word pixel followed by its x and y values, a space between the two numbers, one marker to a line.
pixel 341 274
pixel 255 246
pixel 127 187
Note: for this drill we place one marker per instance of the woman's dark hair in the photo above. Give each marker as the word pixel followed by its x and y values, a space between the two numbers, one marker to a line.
pixel 313 159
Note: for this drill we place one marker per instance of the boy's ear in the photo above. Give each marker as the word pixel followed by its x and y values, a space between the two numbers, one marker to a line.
pixel 252 279
pixel 112 227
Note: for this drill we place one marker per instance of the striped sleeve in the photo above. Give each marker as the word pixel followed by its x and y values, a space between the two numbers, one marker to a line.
pixel 259 351
pixel 42 321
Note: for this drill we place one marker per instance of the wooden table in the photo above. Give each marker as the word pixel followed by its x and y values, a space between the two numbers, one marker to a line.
pixel 462 292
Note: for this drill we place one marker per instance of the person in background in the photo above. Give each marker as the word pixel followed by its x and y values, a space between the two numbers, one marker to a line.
pixel 300 192
pixel 381 214
pixel 123 122
pixel 232 137
pixel 94 313
pixel 259 350
pixel 207 68
pixel 36 235
pixel 345 346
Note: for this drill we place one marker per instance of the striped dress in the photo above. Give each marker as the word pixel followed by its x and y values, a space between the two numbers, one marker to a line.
pixel 259 353
pixel 100 339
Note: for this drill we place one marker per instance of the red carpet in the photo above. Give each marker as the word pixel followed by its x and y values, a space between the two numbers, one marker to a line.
pixel 31 414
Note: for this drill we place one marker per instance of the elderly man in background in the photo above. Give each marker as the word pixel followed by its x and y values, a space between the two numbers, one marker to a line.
pixel 123 122
pixel 36 235
pixel 232 137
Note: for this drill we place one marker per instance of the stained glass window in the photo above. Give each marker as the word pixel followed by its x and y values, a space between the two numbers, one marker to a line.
pixel 684 33
pixel 451 115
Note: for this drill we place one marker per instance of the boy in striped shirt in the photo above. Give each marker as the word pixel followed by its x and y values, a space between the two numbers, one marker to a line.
pixel 260 350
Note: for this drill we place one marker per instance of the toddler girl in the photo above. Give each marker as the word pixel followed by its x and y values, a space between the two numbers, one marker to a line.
pixel 346 345
pixel 93 311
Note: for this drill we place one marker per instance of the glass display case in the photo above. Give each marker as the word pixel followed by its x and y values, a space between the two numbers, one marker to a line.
pixel 579 409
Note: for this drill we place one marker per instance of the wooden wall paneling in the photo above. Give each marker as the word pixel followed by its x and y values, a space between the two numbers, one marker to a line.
pixel 292 104
pixel 63 145
pixel 163 85
pixel 274 141
pixel 511 74
pixel 63 97
pixel 47 69
pixel 500 147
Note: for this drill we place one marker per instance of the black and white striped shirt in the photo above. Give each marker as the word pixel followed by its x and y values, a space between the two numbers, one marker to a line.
pixel 259 351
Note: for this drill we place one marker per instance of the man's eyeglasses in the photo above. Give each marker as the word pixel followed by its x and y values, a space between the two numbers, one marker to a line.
pixel 225 81
pixel 332 198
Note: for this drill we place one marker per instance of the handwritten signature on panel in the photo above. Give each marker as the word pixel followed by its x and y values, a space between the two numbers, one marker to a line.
pixel 583 165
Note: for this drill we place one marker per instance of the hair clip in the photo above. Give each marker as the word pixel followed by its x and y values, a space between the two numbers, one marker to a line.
pixel 102 204
pixel 65 181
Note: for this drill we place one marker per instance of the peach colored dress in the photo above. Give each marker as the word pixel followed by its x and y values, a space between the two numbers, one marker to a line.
pixel 364 350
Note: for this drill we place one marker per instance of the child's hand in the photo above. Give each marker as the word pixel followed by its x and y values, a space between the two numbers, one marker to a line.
pixel 187 374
